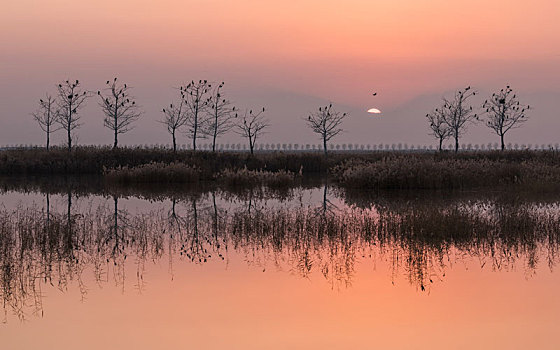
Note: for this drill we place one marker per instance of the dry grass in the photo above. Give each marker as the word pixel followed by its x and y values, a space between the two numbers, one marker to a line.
pixel 249 178
pixel 172 173
pixel 406 173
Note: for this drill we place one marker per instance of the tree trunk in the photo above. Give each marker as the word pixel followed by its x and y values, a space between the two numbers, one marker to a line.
pixel 48 127
pixel 195 129
pixel 214 138
pixel 456 143
pixel 116 140
pixel 69 130
pixel 174 142
pixel 502 140
pixel 325 145
pixel 440 142
pixel 69 139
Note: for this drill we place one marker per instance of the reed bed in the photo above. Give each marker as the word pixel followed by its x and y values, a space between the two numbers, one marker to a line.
pixel 248 178
pixel 409 173
pixel 180 173
pixel 172 173
pixel 346 165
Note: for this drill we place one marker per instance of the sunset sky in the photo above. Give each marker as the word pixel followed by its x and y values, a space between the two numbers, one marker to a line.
pixel 288 56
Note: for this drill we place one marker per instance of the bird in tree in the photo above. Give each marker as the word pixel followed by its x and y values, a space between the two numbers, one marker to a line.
pixel 458 114
pixel 175 117
pixel 251 126
pixel 326 122
pixel 119 107
pixel 221 115
pixel 197 102
pixel 438 126
pixel 504 112
pixel 46 116
pixel 71 99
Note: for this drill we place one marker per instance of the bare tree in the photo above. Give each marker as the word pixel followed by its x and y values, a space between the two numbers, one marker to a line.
pixel 71 98
pixel 439 128
pixel 457 114
pixel 251 126
pixel 46 116
pixel 221 115
pixel 119 108
pixel 195 95
pixel 326 122
pixel 504 112
pixel 175 117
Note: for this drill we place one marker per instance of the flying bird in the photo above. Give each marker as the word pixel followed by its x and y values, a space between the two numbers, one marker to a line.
pixel 374 94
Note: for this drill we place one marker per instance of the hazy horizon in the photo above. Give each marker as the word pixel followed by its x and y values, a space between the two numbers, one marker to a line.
pixel 290 58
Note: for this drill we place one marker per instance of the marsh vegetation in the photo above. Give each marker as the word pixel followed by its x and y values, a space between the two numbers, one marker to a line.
pixel 368 170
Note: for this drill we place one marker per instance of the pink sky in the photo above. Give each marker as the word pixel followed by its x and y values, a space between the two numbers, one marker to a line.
pixel 287 56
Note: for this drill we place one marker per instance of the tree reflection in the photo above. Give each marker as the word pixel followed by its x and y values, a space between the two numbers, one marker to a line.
pixel 40 246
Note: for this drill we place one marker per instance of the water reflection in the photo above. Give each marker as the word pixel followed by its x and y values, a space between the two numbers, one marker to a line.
pixel 45 245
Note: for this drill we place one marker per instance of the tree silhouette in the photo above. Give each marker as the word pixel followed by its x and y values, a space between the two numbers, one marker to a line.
pixel 195 96
pixel 71 98
pixel 504 112
pixel 251 126
pixel 326 122
pixel 439 128
pixel 119 108
pixel 457 114
pixel 221 115
pixel 46 116
pixel 175 117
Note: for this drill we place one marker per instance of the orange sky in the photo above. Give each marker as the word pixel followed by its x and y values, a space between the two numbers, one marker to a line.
pixel 330 50
pixel 250 30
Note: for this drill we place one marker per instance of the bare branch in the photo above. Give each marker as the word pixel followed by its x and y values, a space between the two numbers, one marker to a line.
pixel 439 128
pixel 119 107
pixel 175 117
pixel 457 114
pixel 251 126
pixel 71 98
pixel 326 122
pixel 221 115
pixel 504 112
pixel 197 101
pixel 46 116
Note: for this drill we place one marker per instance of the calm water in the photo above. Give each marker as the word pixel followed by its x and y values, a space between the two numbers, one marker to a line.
pixel 90 267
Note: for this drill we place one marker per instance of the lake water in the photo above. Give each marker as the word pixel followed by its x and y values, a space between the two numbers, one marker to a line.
pixel 306 268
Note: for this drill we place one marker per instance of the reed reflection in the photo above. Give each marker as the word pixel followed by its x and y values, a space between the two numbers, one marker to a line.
pixel 44 247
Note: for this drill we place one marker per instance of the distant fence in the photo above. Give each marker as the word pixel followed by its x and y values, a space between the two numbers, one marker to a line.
pixel 339 147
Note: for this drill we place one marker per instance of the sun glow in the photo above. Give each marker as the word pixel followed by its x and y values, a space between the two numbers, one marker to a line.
pixel 374 111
